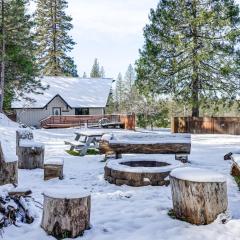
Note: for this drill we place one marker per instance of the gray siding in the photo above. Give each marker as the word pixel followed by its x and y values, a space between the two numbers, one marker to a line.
pixel 32 117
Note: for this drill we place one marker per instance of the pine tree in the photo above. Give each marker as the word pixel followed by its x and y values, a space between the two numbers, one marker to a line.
pixel 53 40
pixel 95 72
pixel 102 72
pixel 18 58
pixel 130 90
pixel 190 51
pixel 84 75
pixel 119 94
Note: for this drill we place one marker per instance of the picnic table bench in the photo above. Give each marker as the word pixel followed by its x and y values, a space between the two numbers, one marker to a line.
pixel 85 140
pixel 178 144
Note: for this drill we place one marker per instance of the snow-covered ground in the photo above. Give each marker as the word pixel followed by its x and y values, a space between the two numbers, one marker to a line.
pixel 126 212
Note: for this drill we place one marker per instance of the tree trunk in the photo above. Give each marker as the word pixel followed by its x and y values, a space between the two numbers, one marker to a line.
pixel 2 75
pixel 198 202
pixel 66 217
pixel 8 169
pixel 195 74
pixel 30 157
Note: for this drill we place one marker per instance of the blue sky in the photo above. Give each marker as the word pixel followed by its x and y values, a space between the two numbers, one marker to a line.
pixel 111 30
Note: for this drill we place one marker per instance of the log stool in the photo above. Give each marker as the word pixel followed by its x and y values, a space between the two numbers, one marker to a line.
pixel 66 214
pixel 8 164
pixel 53 168
pixel 198 195
pixel 30 153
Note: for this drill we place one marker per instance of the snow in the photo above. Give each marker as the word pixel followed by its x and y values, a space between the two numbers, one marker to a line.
pixel 146 138
pixel 54 161
pixel 124 212
pixel 116 164
pixel 77 92
pixel 66 194
pixel 9 153
pixel 236 158
pixel 197 175
pixel 30 143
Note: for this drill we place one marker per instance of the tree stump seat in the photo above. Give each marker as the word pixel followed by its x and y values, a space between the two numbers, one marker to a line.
pixel 8 164
pixel 66 213
pixel 178 144
pixel 53 168
pixel 198 195
pixel 235 169
pixel 30 153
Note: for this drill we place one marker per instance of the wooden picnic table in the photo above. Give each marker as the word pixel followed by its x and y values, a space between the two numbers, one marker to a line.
pixel 84 140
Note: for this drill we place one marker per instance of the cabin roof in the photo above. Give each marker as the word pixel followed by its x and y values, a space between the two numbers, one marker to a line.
pixel 76 92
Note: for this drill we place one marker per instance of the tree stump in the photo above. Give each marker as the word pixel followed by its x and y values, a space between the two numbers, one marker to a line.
pixel 66 215
pixel 53 168
pixel 30 153
pixel 8 164
pixel 198 195
pixel 23 134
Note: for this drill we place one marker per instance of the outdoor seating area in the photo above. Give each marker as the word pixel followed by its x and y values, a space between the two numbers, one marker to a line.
pixel 139 159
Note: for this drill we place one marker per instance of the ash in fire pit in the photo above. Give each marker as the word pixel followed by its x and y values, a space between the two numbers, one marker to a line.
pixel 139 172
pixel 145 164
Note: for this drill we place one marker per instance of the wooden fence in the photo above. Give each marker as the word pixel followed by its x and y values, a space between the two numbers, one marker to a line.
pixel 206 125
pixel 64 121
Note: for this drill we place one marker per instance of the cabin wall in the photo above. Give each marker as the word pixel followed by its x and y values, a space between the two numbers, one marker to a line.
pixel 32 117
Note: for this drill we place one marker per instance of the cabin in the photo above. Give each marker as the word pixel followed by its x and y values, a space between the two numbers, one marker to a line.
pixel 64 96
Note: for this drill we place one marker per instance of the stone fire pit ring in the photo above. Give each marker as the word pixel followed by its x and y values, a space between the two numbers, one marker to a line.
pixel 140 171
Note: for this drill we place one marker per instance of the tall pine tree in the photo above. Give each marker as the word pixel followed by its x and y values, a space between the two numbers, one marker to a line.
pixel 95 72
pixel 53 40
pixel 190 51
pixel 18 65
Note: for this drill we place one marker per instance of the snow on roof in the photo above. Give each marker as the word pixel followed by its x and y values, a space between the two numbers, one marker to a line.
pixel 76 92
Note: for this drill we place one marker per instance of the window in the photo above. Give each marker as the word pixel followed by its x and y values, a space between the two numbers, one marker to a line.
pixel 81 111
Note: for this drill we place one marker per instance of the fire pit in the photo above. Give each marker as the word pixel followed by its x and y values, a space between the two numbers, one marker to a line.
pixel 140 171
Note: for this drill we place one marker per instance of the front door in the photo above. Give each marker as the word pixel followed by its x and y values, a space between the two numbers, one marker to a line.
pixel 57 111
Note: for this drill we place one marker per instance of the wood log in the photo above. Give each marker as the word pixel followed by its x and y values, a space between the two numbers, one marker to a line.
pixel 142 148
pixel 66 216
pixel 198 195
pixel 53 168
pixel 30 157
pixel 23 134
pixel 19 193
pixel 8 165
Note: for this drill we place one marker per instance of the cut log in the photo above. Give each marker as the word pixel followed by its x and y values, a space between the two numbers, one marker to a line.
pixel 8 164
pixel 66 215
pixel 235 169
pixel 30 153
pixel 23 134
pixel 142 148
pixel 53 168
pixel 30 157
pixel 198 195
pixel 19 192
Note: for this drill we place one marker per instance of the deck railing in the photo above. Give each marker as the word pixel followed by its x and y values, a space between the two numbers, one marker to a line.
pixel 82 120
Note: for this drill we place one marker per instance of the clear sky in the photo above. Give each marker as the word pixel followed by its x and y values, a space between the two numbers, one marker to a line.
pixel 111 30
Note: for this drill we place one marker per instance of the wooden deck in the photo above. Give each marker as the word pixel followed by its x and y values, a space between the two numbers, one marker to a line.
pixel 124 121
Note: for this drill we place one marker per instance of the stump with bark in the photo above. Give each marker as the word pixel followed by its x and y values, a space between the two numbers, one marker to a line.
pixel 30 153
pixel 198 195
pixel 8 164
pixel 235 169
pixel 53 168
pixel 66 215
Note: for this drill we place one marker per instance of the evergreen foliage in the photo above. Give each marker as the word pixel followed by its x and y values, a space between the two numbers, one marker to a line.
pixel 53 40
pixel 95 72
pixel 190 52
pixel 20 64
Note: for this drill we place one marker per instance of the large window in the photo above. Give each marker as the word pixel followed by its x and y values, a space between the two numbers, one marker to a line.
pixel 81 111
